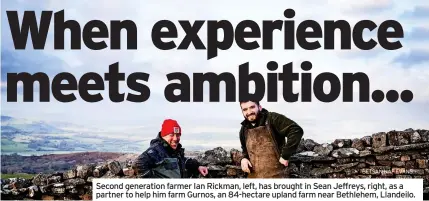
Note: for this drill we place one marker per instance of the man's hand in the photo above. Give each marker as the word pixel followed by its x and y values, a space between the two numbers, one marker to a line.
pixel 203 170
pixel 284 162
pixel 245 163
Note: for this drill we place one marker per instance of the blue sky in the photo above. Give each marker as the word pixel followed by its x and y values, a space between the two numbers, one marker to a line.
pixel 407 68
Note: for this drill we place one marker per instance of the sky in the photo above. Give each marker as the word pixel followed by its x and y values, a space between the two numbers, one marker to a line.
pixel 219 123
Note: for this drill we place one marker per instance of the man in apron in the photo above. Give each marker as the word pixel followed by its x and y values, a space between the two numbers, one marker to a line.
pixel 262 137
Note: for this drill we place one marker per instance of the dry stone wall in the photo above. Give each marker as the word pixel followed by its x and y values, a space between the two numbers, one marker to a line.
pixel 392 154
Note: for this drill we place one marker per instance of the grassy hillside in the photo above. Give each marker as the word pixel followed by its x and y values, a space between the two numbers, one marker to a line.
pixel 17 175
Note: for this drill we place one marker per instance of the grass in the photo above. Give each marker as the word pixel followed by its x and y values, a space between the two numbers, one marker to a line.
pixel 17 175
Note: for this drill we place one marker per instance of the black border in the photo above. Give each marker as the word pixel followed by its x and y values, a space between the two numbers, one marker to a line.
pixel 425 196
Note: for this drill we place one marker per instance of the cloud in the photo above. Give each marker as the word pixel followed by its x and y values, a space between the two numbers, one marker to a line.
pixel 418 34
pixel 413 57
pixel 14 61
pixel 321 121
pixel 366 6
pixel 417 12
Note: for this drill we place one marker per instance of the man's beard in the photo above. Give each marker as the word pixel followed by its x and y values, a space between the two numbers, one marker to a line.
pixel 252 117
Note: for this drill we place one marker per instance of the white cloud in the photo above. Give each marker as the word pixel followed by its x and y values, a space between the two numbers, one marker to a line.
pixel 321 121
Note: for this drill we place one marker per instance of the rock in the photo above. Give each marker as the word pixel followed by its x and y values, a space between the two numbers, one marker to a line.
pixel 19 183
pixel 398 163
pixel 361 165
pixel 345 152
pixel 344 160
pixel 385 163
pixel 410 164
pixel 54 179
pixel 86 197
pixel 236 156
pixel 367 140
pixel 301 146
pixel 342 167
pixel 234 171
pixel 70 174
pixel 364 153
pixel 307 159
pixel 216 168
pixel 309 144
pixel 403 176
pixel 379 140
pixel 305 169
pixel 100 170
pixel 415 137
pixel 342 143
pixel 337 175
pixel 45 189
pixel 370 161
pixel 397 138
pixel 422 163
pixel 128 171
pixel 84 171
pixel 383 149
pixel 48 197
pixel 74 182
pixel 321 171
pixel 308 153
pixel 40 179
pixel 109 174
pixel 115 167
pixel 358 144
pixel 350 172
pixel 405 158
pixel 216 156
pixel 409 130
pixel 58 188
pixel 390 157
pixel 323 149
pixel 417 146
pixel 293 168
pixel 418 156
pixel 424 134
pixel 89 180
pixel 33 191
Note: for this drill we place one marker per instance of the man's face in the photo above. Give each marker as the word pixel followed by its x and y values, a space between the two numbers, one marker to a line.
pixel 172 139
pixel 250 110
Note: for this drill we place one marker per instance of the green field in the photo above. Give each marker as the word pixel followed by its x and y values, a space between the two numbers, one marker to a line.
pixel 17 175
pixel 11 146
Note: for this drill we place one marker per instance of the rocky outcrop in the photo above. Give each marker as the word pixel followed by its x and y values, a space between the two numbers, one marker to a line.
pixel 392 154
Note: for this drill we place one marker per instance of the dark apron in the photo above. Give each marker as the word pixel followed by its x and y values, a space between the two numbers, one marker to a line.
pixel 264 154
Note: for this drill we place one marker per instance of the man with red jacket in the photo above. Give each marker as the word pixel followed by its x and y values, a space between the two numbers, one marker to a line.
pixel 165 158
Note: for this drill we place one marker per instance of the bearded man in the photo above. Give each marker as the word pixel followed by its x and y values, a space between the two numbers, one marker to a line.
pixel 262 136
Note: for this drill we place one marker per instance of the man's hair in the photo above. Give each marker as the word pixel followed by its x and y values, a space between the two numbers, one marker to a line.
pixel 257 102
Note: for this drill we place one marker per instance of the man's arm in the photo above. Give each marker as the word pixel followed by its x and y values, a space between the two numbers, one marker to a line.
pixel 289 129
pixel 243 144
pixel 143 166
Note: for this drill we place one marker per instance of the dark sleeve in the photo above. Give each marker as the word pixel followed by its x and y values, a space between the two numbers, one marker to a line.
pixel 289 129
pixel 191 164
pixel 143 166
pixel 243 144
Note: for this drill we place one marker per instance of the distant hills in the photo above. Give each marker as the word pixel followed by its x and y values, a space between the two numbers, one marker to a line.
pixel 28 137
pixel 13 126
pixel 34 137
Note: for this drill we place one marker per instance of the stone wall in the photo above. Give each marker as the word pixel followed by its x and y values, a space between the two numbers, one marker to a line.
pixel 392 154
